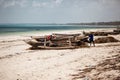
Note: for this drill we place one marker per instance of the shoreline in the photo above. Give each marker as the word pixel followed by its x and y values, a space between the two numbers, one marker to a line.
pixel 39 33
pixel 50 31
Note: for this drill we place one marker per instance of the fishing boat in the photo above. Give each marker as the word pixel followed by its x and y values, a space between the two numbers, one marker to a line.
pixel 57 41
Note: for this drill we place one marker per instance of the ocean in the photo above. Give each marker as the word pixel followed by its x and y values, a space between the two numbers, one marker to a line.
pixel 12 29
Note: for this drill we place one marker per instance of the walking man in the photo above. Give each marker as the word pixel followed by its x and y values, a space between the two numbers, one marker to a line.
pixel 91 39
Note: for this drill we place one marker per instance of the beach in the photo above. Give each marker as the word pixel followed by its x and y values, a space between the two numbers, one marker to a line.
pixel 17 62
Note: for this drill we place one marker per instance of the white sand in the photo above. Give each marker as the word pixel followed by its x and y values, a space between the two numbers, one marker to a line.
pixel 18 63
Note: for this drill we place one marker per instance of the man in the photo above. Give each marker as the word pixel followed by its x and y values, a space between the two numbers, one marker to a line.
pixel 91 39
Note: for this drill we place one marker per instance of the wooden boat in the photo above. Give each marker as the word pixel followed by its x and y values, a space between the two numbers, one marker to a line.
pixel 103 33
pixel 34 44
pixel 61 41
pixel 53 48
pixel 56 34
pixel 38 38
pixel 117 30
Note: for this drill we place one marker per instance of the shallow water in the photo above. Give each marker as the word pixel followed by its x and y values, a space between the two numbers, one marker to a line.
pixel 14 29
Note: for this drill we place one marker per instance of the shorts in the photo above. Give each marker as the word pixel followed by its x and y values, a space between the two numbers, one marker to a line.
pixel 91 41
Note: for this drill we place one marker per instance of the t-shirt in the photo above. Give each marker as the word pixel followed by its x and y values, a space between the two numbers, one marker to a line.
pixel 91 37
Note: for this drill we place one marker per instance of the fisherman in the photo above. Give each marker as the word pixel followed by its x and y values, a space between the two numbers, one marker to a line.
pixel 91 39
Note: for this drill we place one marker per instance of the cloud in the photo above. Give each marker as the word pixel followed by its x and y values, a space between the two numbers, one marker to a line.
pixel 8 3
pixel 96 3
pixel 31 3
pixel 58 1
pixel 109 2
pixel 22 3
pixel 55 3
pixel 39 4
pixel 50 3
pixel 11 3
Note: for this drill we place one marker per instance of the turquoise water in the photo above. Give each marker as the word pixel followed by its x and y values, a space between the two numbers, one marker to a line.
pixel 10 29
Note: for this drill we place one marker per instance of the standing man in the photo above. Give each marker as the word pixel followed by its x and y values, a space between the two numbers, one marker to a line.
pixel 91 39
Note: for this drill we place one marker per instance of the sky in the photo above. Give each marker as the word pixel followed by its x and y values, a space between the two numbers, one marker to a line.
pixel 59 11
